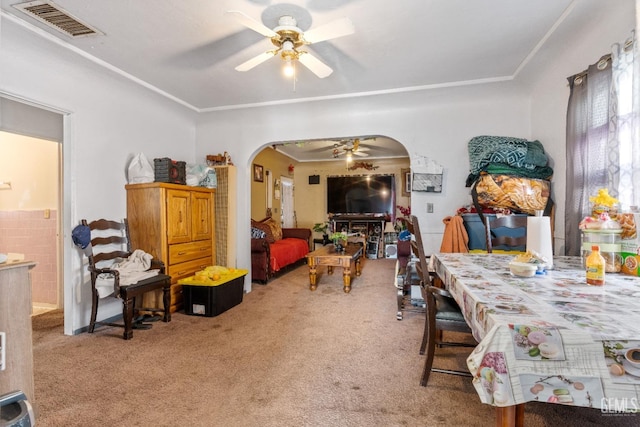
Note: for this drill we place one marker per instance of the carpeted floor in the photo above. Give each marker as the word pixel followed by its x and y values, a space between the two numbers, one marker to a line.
pixel 285 356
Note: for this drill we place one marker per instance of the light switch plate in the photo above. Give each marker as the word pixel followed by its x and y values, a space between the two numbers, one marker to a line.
pixel 3 350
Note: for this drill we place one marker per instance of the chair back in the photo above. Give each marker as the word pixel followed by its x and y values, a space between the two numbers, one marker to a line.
pixel 417 247
pixel 441 310
pixel 109 241
pixel 507 232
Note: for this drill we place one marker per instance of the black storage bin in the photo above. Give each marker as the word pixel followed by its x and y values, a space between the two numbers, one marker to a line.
pixel 210 301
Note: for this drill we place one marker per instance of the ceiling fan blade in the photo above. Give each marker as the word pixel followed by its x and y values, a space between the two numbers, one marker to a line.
pixel 249 22
pixel 255 61
pixel 332 30
pixel 318 67
pixel 360 153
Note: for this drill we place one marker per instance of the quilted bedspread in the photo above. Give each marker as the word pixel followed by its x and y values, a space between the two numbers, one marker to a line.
pixel 287 251
pixel 507 155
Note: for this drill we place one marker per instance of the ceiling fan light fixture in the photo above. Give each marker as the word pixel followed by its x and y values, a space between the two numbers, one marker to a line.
pixel 288 39
pixel 289 68
pixel 289 56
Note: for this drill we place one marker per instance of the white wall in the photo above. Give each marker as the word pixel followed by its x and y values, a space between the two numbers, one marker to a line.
pixel 569 51
pixel 34 182
pixel 435 123
pixel 109 118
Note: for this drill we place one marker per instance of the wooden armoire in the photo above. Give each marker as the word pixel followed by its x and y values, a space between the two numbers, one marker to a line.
pixel 176 224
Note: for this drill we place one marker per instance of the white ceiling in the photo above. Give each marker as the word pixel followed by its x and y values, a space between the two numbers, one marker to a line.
pixel 187 49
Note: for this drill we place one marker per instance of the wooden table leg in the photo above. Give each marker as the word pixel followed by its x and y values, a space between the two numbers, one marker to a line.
pixel 346 278
pixel 510 416
pixel 312 275
pixel 330 270
pixel 358 267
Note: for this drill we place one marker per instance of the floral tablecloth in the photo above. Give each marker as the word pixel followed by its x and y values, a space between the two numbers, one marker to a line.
pixel 551 337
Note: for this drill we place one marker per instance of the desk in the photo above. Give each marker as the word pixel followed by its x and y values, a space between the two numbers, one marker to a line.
pixel 548 338
pixel 328 256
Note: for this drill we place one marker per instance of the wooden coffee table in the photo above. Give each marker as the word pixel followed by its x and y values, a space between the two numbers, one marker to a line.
pixel 328 256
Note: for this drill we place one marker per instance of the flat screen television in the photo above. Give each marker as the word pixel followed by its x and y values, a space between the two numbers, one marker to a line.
pixel 366 194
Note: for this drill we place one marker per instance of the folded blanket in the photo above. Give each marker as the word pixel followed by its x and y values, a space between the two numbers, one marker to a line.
pixel 539 172
pixel 139 260
pixel 507 155
pixel 535 154
pixel 131 270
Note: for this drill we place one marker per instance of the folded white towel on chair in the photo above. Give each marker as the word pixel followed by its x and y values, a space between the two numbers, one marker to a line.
pixel 131 270
pixel 139 260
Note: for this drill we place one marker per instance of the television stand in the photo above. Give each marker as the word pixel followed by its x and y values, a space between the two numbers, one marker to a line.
pixel 370 226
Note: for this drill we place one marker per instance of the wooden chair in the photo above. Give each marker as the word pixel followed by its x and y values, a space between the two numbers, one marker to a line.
pixel 442 313
pixel 513 233
pixel 110 243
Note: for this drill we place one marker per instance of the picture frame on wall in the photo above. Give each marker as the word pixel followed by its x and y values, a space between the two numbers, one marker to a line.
pixel 406 182
pixel 258 173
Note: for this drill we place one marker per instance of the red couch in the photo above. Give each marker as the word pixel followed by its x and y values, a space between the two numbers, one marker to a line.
pixel 267 258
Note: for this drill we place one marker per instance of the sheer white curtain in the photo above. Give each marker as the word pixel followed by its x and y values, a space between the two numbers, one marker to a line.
pixel 603 148
pixel 624 124
pixel 288 211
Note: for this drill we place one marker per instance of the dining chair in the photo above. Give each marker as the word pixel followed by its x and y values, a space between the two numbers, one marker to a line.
pixel 508 232
pixel 442 313
pixel 110 244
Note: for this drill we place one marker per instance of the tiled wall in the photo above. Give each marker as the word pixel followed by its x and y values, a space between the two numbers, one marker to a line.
pixel 31 234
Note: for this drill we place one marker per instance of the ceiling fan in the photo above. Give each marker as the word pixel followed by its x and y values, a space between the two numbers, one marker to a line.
pixel 289 39
pixel 351 147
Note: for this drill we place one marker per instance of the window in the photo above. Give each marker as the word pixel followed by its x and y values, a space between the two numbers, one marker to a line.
pixel 603 136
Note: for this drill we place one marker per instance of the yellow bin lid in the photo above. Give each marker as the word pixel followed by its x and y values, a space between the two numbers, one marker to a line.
pixel 224 278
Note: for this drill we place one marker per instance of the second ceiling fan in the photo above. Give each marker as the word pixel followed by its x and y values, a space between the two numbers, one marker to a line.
pixel 289 40
pixel 350 148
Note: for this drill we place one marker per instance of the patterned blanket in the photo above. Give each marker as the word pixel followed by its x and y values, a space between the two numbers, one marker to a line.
pixel 507 155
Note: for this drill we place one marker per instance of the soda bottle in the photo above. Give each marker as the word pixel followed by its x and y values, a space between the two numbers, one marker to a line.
pixel 595 267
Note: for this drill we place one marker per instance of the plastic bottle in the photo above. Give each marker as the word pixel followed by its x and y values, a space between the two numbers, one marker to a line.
pixel 595 267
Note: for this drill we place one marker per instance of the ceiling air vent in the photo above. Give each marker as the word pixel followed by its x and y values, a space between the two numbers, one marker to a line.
pixel 55 17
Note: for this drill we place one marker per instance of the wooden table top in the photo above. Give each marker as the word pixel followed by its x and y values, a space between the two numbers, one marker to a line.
pixel 351 251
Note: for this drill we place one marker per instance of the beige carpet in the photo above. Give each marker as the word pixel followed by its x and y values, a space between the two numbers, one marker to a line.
pixel 286 356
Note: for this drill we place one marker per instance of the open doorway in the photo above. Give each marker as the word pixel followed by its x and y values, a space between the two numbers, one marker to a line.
pixel 308 164
pixel 30 195
pixel 287 203
pixel 29 211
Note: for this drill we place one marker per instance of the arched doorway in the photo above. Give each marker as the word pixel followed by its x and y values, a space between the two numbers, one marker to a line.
pixel 309 175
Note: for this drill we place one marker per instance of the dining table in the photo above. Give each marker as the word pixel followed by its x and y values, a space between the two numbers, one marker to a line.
pixel 547 338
